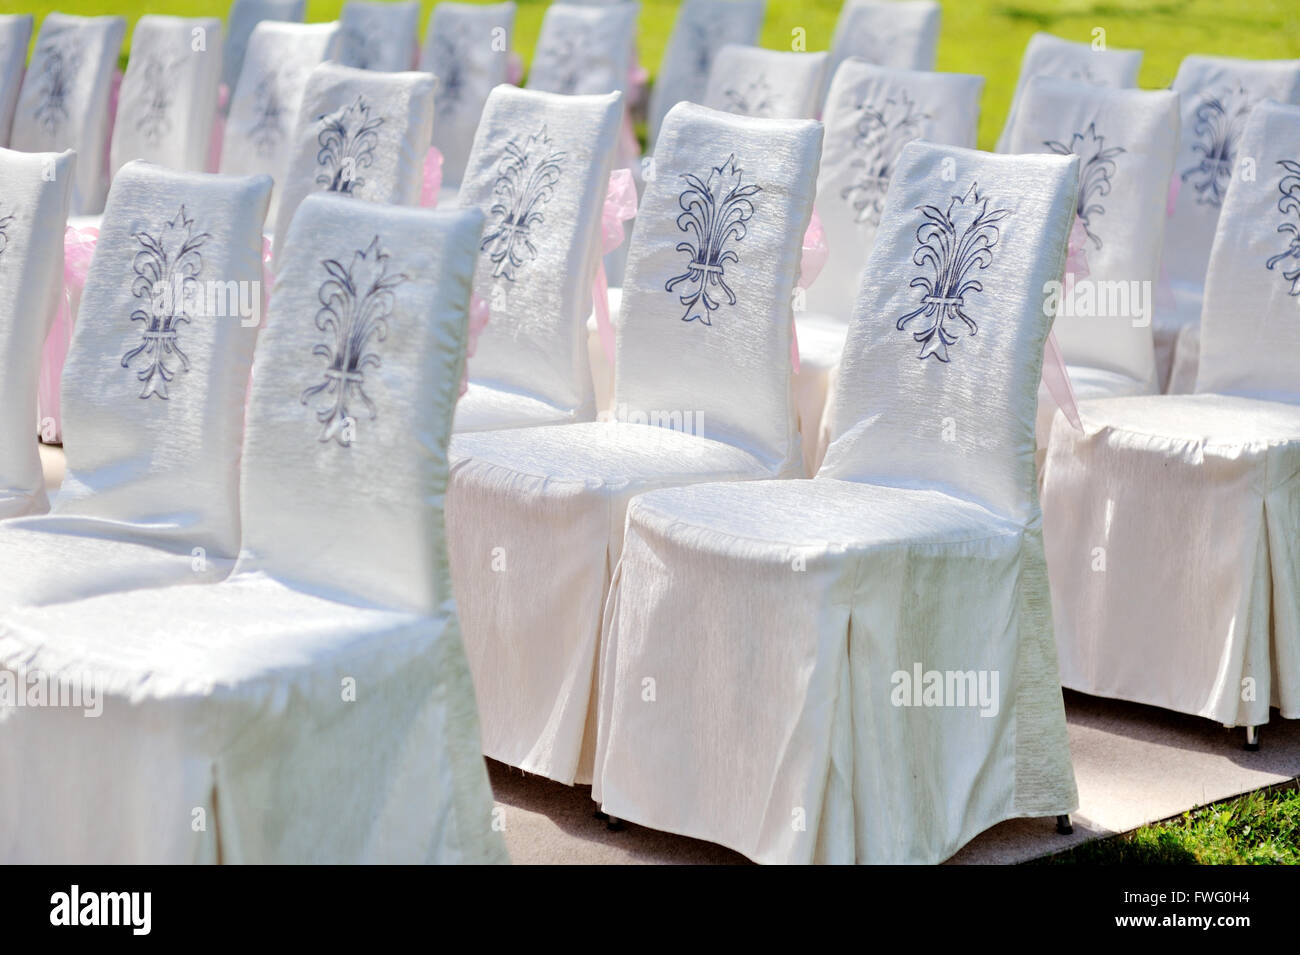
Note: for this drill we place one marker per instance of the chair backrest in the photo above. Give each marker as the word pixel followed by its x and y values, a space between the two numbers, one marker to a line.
pixel 168 100
pixel 701 29
pixel 902 34
pixel 156 375
pixel 33 211
pixel 584 49
pixel 358 371
pixel 1250 321
pixel 1126 141
pixel 707 309
pixel 468 49
pixel 538 170
pixel 768 84
pixel 379 34
pixel 1217 96
pixel 360 133
pixel 872 112
pixel 266 101
pixel 63 103
pixel 1048 55
pixel 15 35
pixel 938 387
pixel 244 17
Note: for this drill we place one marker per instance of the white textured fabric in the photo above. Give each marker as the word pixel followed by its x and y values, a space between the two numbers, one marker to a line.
pixel 702 27
pixel 153 394
pixel 535 515
pixel 245 16
pixel 35 189
pixel 168 100
pixel 468 49
pixel 317 706
pixel 584 49
pixel 755 633
pixel 359 133
pixel 379 34
pixel 1213 629
pixel 1187 356
pixel 902 34
pixel 1048 55
pixel 15 35
pixel 64 99
pixel 266 101
pixel 773 84
pixel 538 170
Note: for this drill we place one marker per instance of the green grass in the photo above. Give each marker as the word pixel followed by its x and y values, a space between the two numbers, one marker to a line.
pixel 979 36
pixel 1259 828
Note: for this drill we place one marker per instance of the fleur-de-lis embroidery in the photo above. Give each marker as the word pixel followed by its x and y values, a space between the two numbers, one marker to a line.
pixel 882 132
pixel 714 215
pixel 1219 123
pixel 1094 175
pixel 1289 205
pixel 153 120
pixel 449 54
pixel 356 303
pixel 756 98
pixel 347 139
pixel 703 45
pixel 167 268
pixel 60 60
pixel 271 112
pixel 526 179
pixel 360 48
pixel 5 222
pixel 954 243
pixel 564 59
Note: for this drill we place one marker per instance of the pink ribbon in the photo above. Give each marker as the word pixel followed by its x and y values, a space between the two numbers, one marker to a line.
pixel 432 183
pixel 1076 252
pixel 813 260
pixel 514 68
pixel 1164 298
pixel 218 129
pixel 620 205
pixel 479 314
pixel 78 249
pixel 1057 380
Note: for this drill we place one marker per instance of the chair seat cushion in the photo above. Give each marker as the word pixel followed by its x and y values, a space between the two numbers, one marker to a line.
pixel 1209 420
pixel 821 339
pixel 483 408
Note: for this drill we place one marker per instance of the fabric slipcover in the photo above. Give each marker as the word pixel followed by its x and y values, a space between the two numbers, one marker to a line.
pixel 245 16
pixel 584 49
pixel 37 188
pixel 773 84
pixel 1187 355
pixel 535 515
pixel 379 35
pixel 761 639
pixel 538 170
pixel 901 34
pixel 15 35
pixel 1209 625
pixel 63 103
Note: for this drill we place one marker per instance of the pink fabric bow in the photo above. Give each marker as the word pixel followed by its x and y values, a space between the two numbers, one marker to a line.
pixel 479 314
pixel 813 260
pixel 1055 376
pixel 620 205
pixel 218 129
pixel 78 249
pixel 432 184
pixel 514 68
pixel 1076 253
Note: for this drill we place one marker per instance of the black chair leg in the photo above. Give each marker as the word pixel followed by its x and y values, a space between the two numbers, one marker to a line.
pixel 1063 825
pixel 1252 738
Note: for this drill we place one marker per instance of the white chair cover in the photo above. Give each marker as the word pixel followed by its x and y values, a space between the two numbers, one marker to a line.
pixel 168 101
pixel 15 35
pixel 702 27
pixel 772 84
pixel 584 49
pixel 535 515
pixel 359 133
pixel 245 15
pixel 1047 55
pixel 63 103
pixel 1126 141
pixel 33 211
pixel 153 394
pixel 268 97
pixel 468 49
pixel 316 707
pixel 1211 627
pixel 380 34
pixel 771 623
pixel 538 170
pixel 902 34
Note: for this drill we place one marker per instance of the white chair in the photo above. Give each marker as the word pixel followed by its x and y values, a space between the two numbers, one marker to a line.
pixel 770 84
pixel 584 49
pixel 535 515
pixel 316 706
pixel 33 211
pixel 266 101
pixel 1217 96
pixel 1126 141
pixel 168 101
pixel 245 16
pixel 872 112
pixel 468 49
pixel 702 28
pixel 538 170
pixel 902 34
pixel 359 133
pixel 860 667
pixel 1047 55
pixel 63 103
pixel 379 34
pixel 15 35
pixel 1172 521
pixel 153 394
